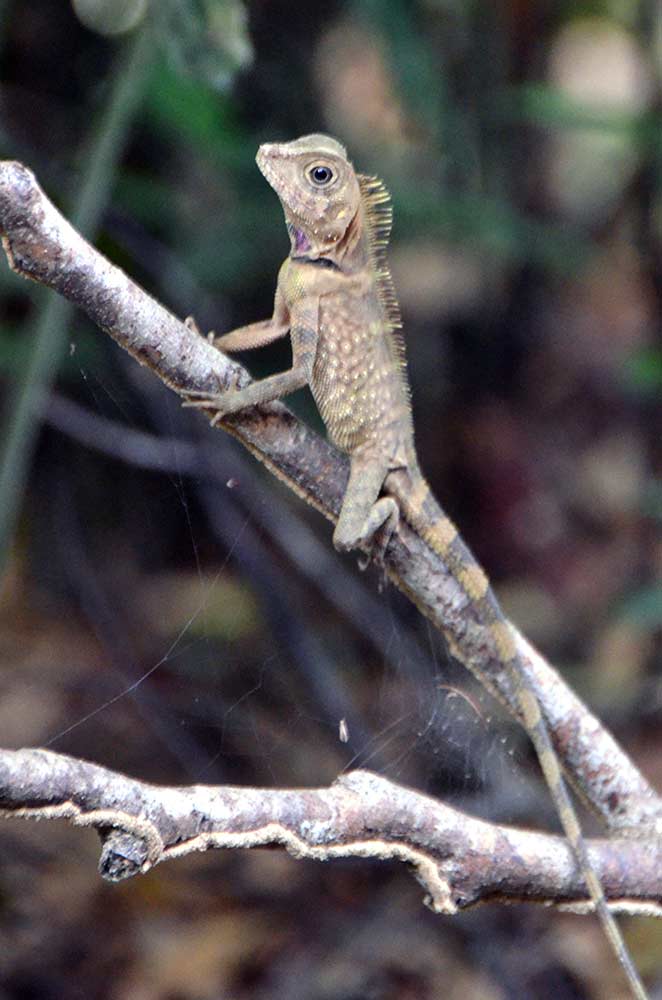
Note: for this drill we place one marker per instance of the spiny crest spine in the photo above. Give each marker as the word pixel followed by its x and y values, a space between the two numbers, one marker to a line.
pixel 378 216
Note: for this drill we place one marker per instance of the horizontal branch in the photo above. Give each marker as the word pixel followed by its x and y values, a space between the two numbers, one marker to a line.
pixel 460 861
pixel 42 245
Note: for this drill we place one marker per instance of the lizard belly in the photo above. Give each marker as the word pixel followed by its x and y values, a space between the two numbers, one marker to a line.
pixel 352 380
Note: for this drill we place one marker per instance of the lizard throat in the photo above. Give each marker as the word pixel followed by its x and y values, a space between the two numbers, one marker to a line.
pixel 301 247
pixel 300 242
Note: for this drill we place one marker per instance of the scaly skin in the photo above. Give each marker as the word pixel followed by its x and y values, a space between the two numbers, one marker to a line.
pixel 335 299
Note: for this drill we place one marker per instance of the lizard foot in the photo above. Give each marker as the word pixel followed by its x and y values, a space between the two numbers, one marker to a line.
pixel 374 532
pixel 222 403
pixel 217 402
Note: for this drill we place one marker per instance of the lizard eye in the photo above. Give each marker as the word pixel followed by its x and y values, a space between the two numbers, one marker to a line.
pixel 320 175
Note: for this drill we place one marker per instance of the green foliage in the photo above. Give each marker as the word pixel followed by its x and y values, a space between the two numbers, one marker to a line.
pixel 644 371
pixel 110 17
pixel 188 112
pixel 652 500
pixel 546 106
pixel 204 39
pixel 644 608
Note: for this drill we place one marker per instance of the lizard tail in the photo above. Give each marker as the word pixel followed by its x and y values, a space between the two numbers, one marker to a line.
pixel 423 513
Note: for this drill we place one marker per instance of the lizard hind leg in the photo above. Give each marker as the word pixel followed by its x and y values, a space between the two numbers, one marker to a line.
pixel 366 519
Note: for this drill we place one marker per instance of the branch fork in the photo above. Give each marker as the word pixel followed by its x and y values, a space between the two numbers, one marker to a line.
pixel 459 860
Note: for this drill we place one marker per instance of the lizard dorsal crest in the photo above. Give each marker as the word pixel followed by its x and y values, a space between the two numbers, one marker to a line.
pixel 378 220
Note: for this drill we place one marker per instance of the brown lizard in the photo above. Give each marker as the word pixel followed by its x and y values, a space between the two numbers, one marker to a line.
pixel 336 299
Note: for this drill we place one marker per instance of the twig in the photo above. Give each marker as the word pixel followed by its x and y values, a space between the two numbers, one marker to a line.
pixel 460 861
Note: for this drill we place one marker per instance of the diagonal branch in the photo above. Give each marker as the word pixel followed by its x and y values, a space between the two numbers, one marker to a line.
pixel 460 861
pixel 42 245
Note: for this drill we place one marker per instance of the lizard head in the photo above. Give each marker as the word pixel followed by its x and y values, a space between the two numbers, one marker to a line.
pixel 318 190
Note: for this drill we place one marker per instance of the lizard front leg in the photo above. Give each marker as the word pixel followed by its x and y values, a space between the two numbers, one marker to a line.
pixel 303 333
pixel 246 338
pixel 364 515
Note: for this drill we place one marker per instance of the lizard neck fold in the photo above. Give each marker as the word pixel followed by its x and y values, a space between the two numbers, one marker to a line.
pixel 349 252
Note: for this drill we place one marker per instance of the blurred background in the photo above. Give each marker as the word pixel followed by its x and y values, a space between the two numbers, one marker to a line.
pixel 167 609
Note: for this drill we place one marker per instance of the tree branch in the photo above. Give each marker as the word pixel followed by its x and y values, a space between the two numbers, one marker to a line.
pixel 460 861
pixel 42 245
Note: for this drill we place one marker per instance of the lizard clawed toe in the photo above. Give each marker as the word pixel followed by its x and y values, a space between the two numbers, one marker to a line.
pixel 364 560
pixel 199 401
pixel 192 325
pixel 377 553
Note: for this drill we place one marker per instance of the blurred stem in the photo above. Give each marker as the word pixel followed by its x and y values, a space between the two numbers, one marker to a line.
pixel 650 177
pixel 53 313
pixel 4 13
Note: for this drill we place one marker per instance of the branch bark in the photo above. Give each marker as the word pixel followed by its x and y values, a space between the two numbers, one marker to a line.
pixel 459 860
pixel 42 245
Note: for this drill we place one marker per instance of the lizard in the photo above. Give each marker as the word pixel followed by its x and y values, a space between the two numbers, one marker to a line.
pixel 336 299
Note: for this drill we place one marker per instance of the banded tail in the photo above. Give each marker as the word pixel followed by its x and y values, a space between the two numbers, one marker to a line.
pixel 423 513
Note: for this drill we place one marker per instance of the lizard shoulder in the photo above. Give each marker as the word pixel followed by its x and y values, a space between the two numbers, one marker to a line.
pixel 300 279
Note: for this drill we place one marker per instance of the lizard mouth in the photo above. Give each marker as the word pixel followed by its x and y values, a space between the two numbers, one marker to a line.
pixel 265 161
pixel 265 151
pixel 262 159
pixel 290 196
